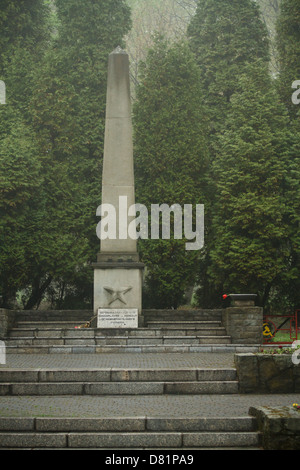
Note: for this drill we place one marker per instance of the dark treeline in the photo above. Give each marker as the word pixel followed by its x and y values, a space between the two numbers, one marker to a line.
pixel 213 125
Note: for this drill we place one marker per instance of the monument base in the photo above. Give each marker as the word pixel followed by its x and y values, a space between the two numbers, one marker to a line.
pixel 117 286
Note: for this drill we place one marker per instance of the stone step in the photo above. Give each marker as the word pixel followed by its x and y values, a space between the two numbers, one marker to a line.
pixel 32 324
pixel 40 375
pixel 117 381
pixel 85 315
pixel 139 440
pixel 204 330
pixel 206 347
pixel 116 341
pixel 182 315
pixel 123 424
pixel 118 388
pixel 182 324
pixel 53 315
pixel 131 432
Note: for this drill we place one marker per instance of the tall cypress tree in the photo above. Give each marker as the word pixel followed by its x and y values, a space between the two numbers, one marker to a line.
pixel 171 158
pixel 288 46
pixel 56 88
pixel 20 182
pixel 250 241
pixel 225 35
pixel 68 110
pixel 24 34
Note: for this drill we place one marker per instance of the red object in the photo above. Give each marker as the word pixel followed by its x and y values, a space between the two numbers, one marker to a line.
pixel 225 296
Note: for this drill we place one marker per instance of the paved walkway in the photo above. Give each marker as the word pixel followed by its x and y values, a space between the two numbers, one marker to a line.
pixel 132 406
pixel 126 360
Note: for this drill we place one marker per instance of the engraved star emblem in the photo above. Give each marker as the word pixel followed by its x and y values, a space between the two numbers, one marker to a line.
pixel 117 294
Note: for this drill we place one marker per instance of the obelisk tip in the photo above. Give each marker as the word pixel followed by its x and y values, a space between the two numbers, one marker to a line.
pixel 118 50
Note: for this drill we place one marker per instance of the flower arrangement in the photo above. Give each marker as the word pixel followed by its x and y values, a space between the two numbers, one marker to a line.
pixel 296 406
pixel 279 350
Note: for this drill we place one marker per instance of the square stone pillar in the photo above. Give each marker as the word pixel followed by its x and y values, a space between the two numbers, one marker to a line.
pixel 243 321
pixel 6 321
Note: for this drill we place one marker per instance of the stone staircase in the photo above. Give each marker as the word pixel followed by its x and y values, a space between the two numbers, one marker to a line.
pixel 128 430
pixel 107 381
pixel 163 331
pixel 129 433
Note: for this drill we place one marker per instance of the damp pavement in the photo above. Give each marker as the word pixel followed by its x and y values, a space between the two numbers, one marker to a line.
pixel 206 405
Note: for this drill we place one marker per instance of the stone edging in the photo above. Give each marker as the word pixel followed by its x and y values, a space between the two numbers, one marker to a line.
pixel 267 373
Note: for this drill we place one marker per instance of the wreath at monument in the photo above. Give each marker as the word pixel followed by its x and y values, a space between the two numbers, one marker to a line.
pixel 87 324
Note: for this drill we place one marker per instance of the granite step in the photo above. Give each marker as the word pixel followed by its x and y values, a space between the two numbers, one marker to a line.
pixel 33 324
pixel 118 388
pixel 33 382
pixel 44 338
pixel 207 347
pixel 40 375
pixel 182 315
pixel 116 340
pixel 129 433
pixel 183 324
pixel 46 330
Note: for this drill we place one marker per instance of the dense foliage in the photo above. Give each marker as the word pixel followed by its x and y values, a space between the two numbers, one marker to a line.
pixel 51 144
pixel 171 158
pixel 213 125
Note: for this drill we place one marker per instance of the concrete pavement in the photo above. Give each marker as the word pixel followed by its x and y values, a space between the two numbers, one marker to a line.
pixel 204 405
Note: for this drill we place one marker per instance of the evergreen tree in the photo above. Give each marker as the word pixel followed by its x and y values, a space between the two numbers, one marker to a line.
pixel 288 45
pixel 23 38
pixel 20 182
pixel 249 246
pixel 24 35
pixel 288 36
pixel 225 35
pixel 68 110
pixel 289 287
pixel 56 90
pixel 171 158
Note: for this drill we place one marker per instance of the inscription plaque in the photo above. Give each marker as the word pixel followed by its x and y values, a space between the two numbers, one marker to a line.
pixel 117 318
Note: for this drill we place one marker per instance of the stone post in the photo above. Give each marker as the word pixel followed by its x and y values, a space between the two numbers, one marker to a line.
pixel 6 321
pixel 243 320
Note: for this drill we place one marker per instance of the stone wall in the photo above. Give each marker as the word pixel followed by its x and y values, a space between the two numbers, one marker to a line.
pixel 267 373
pixel 279 427
pixel 7 318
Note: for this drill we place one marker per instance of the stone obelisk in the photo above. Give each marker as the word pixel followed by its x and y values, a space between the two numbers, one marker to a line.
pixel 118 272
